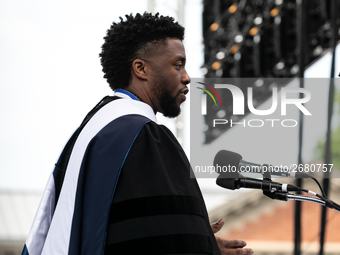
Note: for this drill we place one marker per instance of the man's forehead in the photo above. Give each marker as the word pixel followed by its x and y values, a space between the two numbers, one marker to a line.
pixel 175 44
pixel 176 48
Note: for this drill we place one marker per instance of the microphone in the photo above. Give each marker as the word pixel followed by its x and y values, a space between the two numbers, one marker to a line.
pixel 252 183
pixel 231 164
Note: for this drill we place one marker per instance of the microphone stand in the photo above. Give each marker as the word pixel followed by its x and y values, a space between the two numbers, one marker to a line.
pixel 285 196
pixel 273 195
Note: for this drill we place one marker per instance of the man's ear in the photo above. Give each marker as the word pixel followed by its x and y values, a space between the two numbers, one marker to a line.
pixel 139 68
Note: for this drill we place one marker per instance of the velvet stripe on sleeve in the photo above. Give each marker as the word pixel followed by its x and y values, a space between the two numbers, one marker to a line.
pixel 157 208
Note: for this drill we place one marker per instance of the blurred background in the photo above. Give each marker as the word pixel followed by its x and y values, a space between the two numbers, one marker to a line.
pixel 50 77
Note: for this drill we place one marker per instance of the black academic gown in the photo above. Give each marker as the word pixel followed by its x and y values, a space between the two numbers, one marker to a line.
pixel 157 208
pixel 127 190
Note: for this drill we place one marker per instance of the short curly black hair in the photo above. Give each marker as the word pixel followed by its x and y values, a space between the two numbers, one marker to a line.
pixel 131 39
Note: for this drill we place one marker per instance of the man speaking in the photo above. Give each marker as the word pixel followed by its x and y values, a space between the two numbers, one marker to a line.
pixel 126 187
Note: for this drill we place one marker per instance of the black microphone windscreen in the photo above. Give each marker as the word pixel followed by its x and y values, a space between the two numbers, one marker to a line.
pixel 225 158
pixel 227 183
pixel 227 162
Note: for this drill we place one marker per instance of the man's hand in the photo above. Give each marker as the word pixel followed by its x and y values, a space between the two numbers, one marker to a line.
pixel 229 247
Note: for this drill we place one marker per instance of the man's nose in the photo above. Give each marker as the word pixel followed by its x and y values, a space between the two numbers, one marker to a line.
pixel 185 78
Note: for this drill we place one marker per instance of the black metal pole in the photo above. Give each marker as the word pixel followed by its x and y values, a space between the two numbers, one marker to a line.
pixel 301 31
pixel 217 8
pixel 328 150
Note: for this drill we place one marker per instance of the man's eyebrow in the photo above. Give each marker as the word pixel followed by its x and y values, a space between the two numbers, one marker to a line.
pixel 181 58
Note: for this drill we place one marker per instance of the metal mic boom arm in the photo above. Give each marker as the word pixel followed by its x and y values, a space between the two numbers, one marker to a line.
pixel 284 196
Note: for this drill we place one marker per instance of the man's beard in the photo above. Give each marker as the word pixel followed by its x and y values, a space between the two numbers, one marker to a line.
pixel 167 103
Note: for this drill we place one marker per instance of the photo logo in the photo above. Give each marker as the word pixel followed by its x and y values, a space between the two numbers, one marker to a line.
pixel 238 102
pixel 288 96
pixel 204 97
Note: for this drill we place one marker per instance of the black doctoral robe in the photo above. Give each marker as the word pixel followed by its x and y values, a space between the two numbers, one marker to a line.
pixel 157 208
pixel 126 190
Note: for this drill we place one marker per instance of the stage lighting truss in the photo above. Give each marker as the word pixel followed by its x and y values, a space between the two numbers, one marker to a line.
pixel 258 39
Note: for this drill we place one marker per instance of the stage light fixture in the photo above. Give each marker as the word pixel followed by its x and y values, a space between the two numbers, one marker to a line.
pixel 253 31
pixel 257 38
pixel 232 9
pixel 258 20
pixel 259 83
pixel 204 70
pixel 234 49
pixel 280 65
pixel 214 27
pixel 216 65
pixel 274 12
pixel 220 55
pixel 238 38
